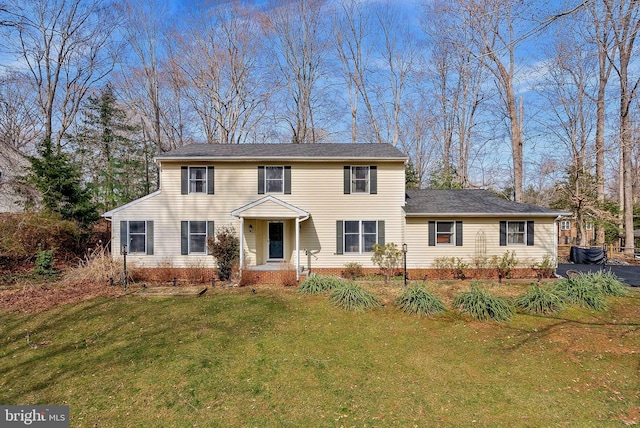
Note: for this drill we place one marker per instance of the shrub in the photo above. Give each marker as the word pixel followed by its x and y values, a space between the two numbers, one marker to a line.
pixel 353 297
pixel 388 258
pixel 44 263
pixel 581 291
pixel 353 270
pixel 98 267
pixel 318 284
pixel 505 264
pixel 540 300
pixel 225 248
pixel 608 283
pixel 481 305
pixel 196 272
pixel 287 275
pixel 417 300
pixel 546 266
pixel 248 277
pixel 455 265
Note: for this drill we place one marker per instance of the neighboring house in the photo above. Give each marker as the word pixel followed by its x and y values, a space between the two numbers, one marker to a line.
pixel 568 231
pixel 13 194
pixel 318 207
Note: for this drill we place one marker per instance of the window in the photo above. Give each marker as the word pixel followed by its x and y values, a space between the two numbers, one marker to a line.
pixel 197 179
pixel 445 233
pixel 565 225
pixel 198 237
pixel 274 179
pixel 359 236
pixel 137 236
pixel 588 225
pixel 516 232
pixel 359 179
pixel 194 236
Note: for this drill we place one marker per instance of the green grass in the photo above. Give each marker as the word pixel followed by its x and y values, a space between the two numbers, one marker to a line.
pixel 281 358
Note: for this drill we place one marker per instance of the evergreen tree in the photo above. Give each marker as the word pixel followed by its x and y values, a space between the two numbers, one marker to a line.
pixel 114 162
pixel 411 179
pixel 59 182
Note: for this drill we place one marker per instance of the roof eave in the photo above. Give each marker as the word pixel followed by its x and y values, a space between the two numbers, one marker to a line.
pixel 275 158
pixel 484 214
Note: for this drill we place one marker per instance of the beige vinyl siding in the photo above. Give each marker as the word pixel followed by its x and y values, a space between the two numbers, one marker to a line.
pixel 316 187
pixel 421 255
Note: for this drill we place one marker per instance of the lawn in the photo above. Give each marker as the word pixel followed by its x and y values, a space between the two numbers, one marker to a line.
pixel 279 358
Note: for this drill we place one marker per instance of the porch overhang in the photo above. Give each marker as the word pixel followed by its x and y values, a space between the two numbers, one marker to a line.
pixel 272 208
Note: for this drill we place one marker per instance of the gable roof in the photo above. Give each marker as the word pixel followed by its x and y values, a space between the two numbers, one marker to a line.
pixel 468 203
pixel 318 151
pixel 275 208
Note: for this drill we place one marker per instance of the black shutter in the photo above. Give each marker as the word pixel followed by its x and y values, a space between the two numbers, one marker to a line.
pixel 347 179
pixel 287 180
pixel 150 237
pixel 432 233
pixel 184 237
pixel 124 234
pixel 530 230
pixel 184 180
pixel 373 180
pixel 458 234
pixel 260 180
pixel 210 234
pixel 381 232
pixel 210 182
pixel 503 233
pixel 339 243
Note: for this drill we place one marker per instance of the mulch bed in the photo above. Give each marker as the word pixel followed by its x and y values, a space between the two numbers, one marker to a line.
pixel 42 297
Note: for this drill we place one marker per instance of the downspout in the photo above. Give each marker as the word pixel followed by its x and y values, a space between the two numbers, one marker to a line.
pixel 241 243
pixel 298 221
pixel 555 239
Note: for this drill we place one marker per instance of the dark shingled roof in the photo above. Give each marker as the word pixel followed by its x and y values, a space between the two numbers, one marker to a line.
pixel 468 202
pixel 335 151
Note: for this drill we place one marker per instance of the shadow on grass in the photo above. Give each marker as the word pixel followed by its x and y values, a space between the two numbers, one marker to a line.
pixel 122 335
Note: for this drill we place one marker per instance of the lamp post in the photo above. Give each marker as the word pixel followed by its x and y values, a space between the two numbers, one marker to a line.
pixel 404 257
pixel 124 254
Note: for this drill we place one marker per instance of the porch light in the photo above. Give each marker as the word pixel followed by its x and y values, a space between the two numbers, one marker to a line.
pixel 250 228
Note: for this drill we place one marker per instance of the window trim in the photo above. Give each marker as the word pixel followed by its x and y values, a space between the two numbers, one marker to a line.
pixel 353 180
pixel 524 233
pixel 208 180
pixel 453 239
pixel 190 234
pixel 129 236
pixel 281 179
pixel 588 225
pixel 562 224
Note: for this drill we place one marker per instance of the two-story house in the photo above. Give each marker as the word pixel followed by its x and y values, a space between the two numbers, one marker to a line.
pixel 318 207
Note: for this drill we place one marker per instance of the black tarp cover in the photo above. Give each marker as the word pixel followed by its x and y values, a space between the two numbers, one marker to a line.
pixel 587 256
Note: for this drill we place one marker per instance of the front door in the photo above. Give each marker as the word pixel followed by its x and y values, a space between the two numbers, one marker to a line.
pixel 276 241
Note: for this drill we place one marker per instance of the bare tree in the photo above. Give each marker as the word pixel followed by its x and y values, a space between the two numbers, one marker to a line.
pixel 217 62
pixel 354 30
pixel 624 18
pixel 21 126
pixel 65 46
pixel 296 33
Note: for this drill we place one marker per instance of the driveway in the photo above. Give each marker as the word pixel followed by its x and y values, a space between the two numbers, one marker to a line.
pixel 630 275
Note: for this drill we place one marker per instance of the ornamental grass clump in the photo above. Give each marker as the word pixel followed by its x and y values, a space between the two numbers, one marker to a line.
pixel 417 300
pixel 608 282
pixel 481 305
pixel 318 284
pixel 581 291
pixel 353 297
pixel 540 300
